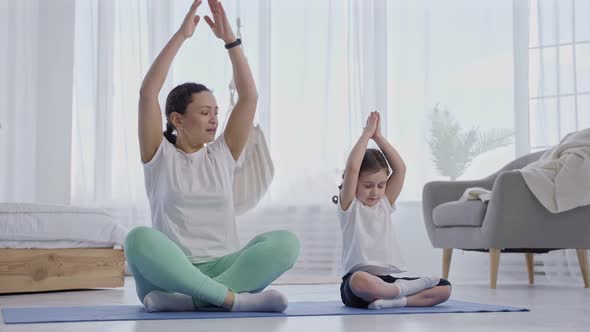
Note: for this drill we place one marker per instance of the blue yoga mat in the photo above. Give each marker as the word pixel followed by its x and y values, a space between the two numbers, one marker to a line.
pixel 136 312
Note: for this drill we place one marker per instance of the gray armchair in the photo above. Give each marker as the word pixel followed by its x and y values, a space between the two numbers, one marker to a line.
pixel 512 221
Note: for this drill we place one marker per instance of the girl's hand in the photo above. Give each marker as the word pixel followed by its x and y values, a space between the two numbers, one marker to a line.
pixel 377 132
pixel 371 125
pixel 220 24
pixel 189 24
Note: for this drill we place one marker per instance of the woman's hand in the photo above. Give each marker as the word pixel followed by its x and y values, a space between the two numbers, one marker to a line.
pixel 220 24
pixel 189 24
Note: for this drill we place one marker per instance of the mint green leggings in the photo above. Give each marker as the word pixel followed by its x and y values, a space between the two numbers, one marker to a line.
pixel 157 263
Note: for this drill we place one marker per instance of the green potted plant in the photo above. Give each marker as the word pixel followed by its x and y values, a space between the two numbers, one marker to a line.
pixel 453 149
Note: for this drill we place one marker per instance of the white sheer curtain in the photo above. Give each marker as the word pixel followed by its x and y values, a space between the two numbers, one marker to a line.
pixel 115 44
pixel 18 102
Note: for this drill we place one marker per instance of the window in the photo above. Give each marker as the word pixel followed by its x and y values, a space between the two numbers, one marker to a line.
pixel 559 70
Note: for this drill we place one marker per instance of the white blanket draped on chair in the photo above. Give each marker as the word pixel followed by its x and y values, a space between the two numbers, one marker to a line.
pixel 560 179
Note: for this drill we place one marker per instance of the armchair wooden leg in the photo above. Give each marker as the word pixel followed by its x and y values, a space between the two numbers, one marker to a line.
pixel 530 266
pixel 494 264
pixel 583 261
pixel 447 254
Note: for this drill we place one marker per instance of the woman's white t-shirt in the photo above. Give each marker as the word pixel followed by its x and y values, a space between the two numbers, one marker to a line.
pixel 369 243
pixel 191 198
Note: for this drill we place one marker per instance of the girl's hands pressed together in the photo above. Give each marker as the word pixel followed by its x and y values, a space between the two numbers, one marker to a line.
pixel 371 126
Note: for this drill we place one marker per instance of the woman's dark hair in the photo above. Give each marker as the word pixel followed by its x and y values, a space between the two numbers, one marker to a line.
pixel 177 101
pixel 373 162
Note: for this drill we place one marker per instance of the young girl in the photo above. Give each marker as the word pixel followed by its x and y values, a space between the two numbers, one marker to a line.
pixel 369 249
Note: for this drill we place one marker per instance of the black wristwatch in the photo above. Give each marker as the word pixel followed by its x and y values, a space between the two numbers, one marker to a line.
pixel 233 44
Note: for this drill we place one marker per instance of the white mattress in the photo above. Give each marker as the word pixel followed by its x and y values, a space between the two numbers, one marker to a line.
pixel 58 244
pixel 25 225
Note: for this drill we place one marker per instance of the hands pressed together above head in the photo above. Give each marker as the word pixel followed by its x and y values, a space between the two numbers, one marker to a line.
pixel 219 22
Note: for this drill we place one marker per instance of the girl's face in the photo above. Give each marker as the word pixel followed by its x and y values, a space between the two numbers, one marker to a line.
pixel 371 187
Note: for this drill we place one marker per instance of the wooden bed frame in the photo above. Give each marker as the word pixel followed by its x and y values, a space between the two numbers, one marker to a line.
pixel 37 270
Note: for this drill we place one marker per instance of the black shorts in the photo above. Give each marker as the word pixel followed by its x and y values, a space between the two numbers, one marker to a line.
pixel 351 300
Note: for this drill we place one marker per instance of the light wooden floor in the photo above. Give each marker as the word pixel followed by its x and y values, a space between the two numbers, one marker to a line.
pixel 553 308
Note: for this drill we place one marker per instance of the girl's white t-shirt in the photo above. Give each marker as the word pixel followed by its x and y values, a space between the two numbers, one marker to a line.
pixel 191 198
pixel 369 243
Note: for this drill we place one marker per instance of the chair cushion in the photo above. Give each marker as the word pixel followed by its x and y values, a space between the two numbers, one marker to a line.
pixel 459 213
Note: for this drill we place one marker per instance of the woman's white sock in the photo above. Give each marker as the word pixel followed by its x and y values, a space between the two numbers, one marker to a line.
pixel 161 301
pixel 267 301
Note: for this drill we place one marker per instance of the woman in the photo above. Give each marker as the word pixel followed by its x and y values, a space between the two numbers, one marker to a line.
pixel 191 259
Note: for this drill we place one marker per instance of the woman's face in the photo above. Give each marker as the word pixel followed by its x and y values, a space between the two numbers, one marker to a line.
pixel 198 124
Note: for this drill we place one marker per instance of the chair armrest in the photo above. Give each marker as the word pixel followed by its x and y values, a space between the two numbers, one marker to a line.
pixel 514 213
pixel 438 192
